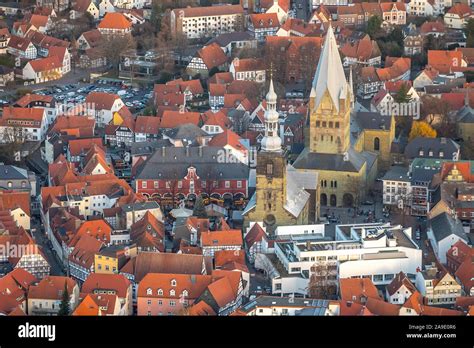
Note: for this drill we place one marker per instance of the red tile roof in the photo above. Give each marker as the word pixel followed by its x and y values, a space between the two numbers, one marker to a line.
pixel 102 100
pixel 356 289
pixel 461 10
pixel 264 20
pixel 221 238
pixel 445 61
pixel 212 56
pixel 193 284
pixel 82 146
pixel 51 288
pixel 46 64
pixel 147 124
pixel 209 11
pixel 109 282
pixel 172 119
pixel 255 234
pixel 115 20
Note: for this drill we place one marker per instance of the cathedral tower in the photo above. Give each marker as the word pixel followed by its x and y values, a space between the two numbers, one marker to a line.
pixel 330 102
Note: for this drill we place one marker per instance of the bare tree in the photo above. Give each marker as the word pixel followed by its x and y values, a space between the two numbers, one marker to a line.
pixel 112 46
pixel 323 280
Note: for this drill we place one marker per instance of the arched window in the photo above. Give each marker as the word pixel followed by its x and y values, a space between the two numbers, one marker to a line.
pixel 160 292
pixel 376 144
pixel 173 282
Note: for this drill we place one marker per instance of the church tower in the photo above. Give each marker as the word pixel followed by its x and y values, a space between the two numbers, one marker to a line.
pixel 280 198
pixel 330 102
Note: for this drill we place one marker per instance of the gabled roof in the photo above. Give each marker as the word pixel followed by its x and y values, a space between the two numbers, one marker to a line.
pixel 212 56
pixel 228 137
pixel 51 288
pixel 102 100
pixel 221 238
pixel 443 225
pixel 115 20
pixel 397 282
pixel 208 11
pixel 264 20
pixel 147 125
pixel 255 234
pixel 45 64
pixel 112 282
pixel 357 289
pixel 172 119
pixel 152 262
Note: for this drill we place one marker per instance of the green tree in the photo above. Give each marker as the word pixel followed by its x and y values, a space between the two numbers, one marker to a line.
pixel 402 95
pixel 396 35
pixel 373 25
pixel 199 208
pixel 64 307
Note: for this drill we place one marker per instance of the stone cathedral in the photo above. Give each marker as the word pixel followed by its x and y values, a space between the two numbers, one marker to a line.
pixel 333 149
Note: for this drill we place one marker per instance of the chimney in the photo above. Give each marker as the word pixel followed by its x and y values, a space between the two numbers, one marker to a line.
pixel 163 151
pixel 187 151
pixel 200 151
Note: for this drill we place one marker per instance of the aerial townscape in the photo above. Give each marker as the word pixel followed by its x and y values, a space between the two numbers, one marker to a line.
pixel 236 158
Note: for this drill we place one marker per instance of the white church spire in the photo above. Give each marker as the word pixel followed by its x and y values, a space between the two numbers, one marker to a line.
pixel 329 73
pixel 271 142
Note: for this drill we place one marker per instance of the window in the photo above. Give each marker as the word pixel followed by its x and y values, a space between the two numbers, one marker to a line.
pixel 239 184
pixel 160 302
pixel 180 184
pixel 173 282
pixel 269 168
pixel 376 144
pixel 172 304
pixel 148 291
pixel 172 292
pixel 144 184
pixel 160 292
pixel 149 302
pixel 10 184
pixel 156 184
pixel 227 184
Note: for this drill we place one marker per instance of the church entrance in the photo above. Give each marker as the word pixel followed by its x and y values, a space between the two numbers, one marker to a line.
pixel 347 200
pixel 324 199
pixel 333 201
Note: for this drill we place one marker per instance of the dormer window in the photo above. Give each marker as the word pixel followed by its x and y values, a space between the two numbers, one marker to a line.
pixel 430 153
pixel 173 282
pixel 441 154
pixel 421 152
pixel 172 292
pixel 185 293
pixel 160 291
pixel 149 291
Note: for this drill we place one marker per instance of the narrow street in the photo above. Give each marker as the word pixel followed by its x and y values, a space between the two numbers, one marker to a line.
pixel 44 243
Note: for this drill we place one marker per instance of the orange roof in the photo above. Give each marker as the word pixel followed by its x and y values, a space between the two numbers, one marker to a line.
pixel 51 288
pixel 194 285
pixel 228 137
pixel 115 20
pixel 172 119
pixel 362 50
pixel 193 86
pixel 102 100
pixel 430 27
pixel 84 124
pixel 16 283
pixel 147 124
pixel 38 20
pixel 13 115
pixel 11 200
pixel 461 10
pixel 221 257
pixel 111 282
pixel 465 273
pixel 84 251
pixel 445 61
pixel 264 20
pixel 88 307
pixel 355 289
pixel 28 98
pixel 212 56
pixel 389 6
pixel 221 78
pixel 99 229
pixel 45 64
pixel 248 64
pixel 82 146
pixel 221 238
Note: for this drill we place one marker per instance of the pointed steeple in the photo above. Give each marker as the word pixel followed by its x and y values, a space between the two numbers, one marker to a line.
pixel 329 73
pixel 271 142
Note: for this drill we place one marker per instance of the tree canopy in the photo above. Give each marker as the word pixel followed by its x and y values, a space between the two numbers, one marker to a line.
pixel 421 129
